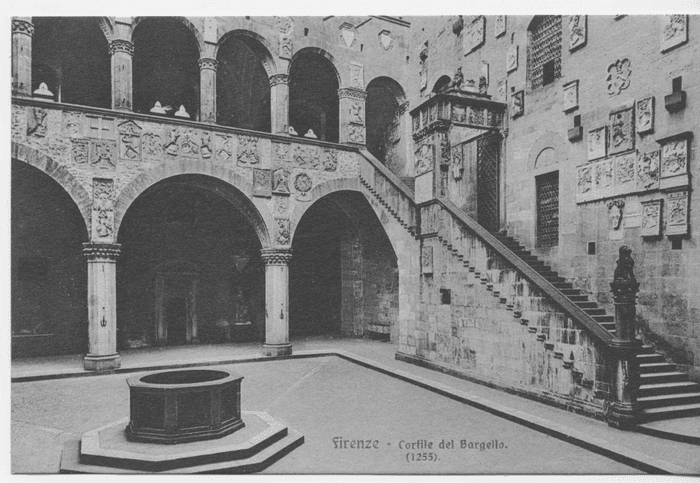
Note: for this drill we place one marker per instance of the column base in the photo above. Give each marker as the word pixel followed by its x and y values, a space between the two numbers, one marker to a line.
pixel 274 350
pixel 623 415
pixel 102 363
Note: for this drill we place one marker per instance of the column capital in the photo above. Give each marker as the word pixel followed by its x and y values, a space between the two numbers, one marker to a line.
pixel 277 79
pixel 102 252
pixel 208 63
pixel 276 256
pixel 352 93
pixel 120 45
pixel 22 27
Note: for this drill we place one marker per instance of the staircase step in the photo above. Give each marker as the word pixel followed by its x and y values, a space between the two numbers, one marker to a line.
pixel 562 285
pixel 594 311
pixel 647 349
pixel 601 319
pixel 578 298
pixel 587 305
pixel 669 400
pixel 570 291
pixel 666 388
pixel 655 357
pixel 660 377
pixel 681 411
pixel 609 326
pixel 651 367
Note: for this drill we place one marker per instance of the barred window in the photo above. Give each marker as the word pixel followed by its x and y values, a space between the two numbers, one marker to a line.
pixel 544 51
pixel 548 209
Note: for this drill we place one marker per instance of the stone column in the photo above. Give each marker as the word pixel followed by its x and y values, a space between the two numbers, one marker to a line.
pixel 276 301
pixel 22 32
pixel 122 52
pixel 352 116
pixel 279 103
pixel 624 411
pixel 102 306
pixel 207 91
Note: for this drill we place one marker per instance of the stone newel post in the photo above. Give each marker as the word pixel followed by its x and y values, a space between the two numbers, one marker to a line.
pixel 22 32
pixel 122 52
pixel 624 410
pixel 279 103
pixel 207 91
pixel 352 116
pixel 276 301
pixel 102 306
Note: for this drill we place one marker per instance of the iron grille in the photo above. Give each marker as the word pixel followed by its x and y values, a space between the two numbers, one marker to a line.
pixel 548 209
pixel 487 182
pixel 544 47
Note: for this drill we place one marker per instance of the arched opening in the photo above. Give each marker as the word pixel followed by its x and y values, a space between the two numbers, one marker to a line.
pixel 49 274
pixel 344 272
pixel 166 67
pixel 384 96
pixel 442 83
pixel 313 96
pixel 190 269
pixel 242 85
pixel 71 55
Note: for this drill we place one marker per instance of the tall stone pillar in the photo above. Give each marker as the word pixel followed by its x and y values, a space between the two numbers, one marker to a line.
pixel 624 411
pixel 276 301
pixel 279 103
pixel 207 91
pixel 352 116
pixel 102 306
pixel 122 52
pixel 22 32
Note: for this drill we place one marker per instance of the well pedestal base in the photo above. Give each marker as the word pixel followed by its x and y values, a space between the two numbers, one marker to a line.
pixel 277 350
pixel 102 363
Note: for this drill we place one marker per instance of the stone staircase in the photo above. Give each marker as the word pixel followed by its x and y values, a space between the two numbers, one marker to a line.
pixel 664 391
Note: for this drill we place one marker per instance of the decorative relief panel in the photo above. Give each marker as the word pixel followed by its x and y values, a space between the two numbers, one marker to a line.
pixel 618 78
pixel 570 96
pixel 426 258
pixel 517 104
pixel 424 159
pixel 103 154
pixel 674 31
pixel 171 143
pixel 648 171
pixel 19 122
pixel 306 156
pixel 206 145
pixel 302 186
pixel 356 133
pixel 499 25
pixel 674 158
pixel 37 125
pixel 474 34
pixel 281 204
pixel 624 171
pixel 615 213
pixel 189 146
pixel 262 183
pixel 286 48
pixel 584 177
pixel 99 127
pixel 645 115
pixel 621 131
pixel 282 232
pixel 129 140
pixel 604 176
pixel 223 148
pixel 151 145
pixel 578 31
pixel 512 58
pixel 280 181
pixel 677 223
pixel 72 124
pixel 457 162
pixel 357 76
pixel 651 218
pixel 280 152
pixel 248 150
pixel 330 160
pixel 597 147
pixel 80 150
pixel 102 210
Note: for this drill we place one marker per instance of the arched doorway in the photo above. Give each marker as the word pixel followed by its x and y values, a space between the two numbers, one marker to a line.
pixel 190 269
pixel 344 272
pixel 49 275
pixel 71 55
pixel 242 85
pixel 165 66
pixel 441 84
pixel 313 96
pixel 384 137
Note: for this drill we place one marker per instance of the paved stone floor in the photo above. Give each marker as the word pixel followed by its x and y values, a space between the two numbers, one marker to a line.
pixel 327 397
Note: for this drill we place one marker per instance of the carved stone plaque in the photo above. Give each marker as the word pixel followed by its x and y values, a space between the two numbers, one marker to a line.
pixel 223 147
pixel 584 180
pixel 651 218
pixel 674 158
pixel 129 140
pixel 512 58
pixel 171 144
pixel 425 157
pixel 80 150
pixel 571 96
pixel 282 231
pixel 604 176
pixel 597 143
pixel 621 131
pixel 426 260
pixel 205 145
pixel 306 156
pixel 473 34
pixel 102 210
pixel 248 150
pixel 578 31
pixel 280 181
pixel 262 183
pixel 37 123
pixel 103 154
pixel 624 172
pixel 347 35
pixel 72 124
pixel 674 31
pixel 330 160
pixel 648 171
pixel 357 76
pixel 677 223
pixel 645 115
pixel 499 25
pixel 517 104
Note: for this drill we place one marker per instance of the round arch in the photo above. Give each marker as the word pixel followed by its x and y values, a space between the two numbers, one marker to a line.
pixel 391 85
pixel 546 141
pixel 323 53
pixel 256 42
pixel 256 212
pixel 441 83
pixel 60 174
pixel 190 26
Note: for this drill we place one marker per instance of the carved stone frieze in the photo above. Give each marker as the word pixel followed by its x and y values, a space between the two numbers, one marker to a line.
pixel 330 160
pixel 570 96
pixel 103 154
pixel 129 140
pixel 621 131
pixel 306 156
pixel 677 223
pixel 282 231
pixel 302 186
pixel 280 181
pixel 102 209
pixel 121 46
pixel 499 25
pixel 22 27
pixel 674 157
pixel 151 145
pixel 651 218
pixel 424 158
pixel 618 78
pixel 171 144
pixel 248 150
pixel 101 252
pixel 223 148
pixel 37 123
pixel 474 33
pixel 578 31
pixel 80 151
pixel 597 143
pixel 648 169
pixel 674 31
pixel 262 183
pixel 278 79
pixel 72 124
pixel 276 256
pixel 645 115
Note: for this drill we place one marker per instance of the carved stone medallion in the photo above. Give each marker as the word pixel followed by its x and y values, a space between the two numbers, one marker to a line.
pixel 205 145
pixel 103 154
pixel 37 124
pixel 624 171
pixel 302 185
pixel 224 148
pixel 512 58
pixel 151 145
pixel 386 41
pixel 426 258
pixel 584 176
pixel 171 145
pixel 347 35
pixel 618 78
pixel 282 232
pixel 330 160
pixel 517 104
pixel 80 151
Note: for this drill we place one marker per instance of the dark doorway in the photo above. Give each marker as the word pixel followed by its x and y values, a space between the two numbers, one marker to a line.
pixel 176 318
pixel 488 181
